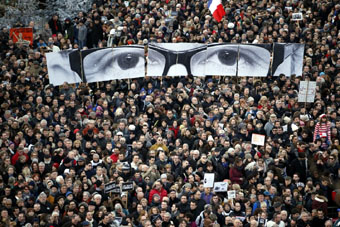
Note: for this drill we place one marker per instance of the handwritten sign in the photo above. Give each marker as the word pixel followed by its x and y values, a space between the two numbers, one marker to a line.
pixel 307 91
pixel 258 139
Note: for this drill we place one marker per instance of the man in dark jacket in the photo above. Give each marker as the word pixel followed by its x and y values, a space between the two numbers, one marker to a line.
pixel 320 219
pixel 55 25
pixel 300 166
pixel 69 29
pixel 97 32
pixel 45 206
pixel 303 221
pixel 199 201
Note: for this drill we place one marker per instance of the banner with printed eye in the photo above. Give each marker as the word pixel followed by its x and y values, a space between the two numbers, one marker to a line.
pixel 113 63
pixel 288 59
pixel 176 59
pixel 254 60
pixel 221 59
pixel 129 62
pixel 64 66
pixel 97 64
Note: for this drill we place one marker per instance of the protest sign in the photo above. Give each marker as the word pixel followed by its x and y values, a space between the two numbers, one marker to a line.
pixel 209 180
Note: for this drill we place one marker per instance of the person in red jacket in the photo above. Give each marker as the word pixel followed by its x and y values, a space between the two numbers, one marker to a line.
pixel 322 129
pixel 235 173
pixel 16 156
pixel 157 188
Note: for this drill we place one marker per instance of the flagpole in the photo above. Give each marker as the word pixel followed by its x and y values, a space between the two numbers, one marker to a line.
pixel 238 57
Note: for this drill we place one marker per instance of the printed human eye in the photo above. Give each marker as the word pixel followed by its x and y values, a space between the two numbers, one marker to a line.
pixel 224 56
pixel 127 60
pixel 98 64
pixel 221 60
pixel 110 64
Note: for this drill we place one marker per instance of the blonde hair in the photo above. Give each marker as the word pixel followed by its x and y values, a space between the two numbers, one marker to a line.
pixel 119 112
pixel 263 100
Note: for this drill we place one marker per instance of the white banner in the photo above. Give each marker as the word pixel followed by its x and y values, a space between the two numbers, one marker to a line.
pixel 176 59
pixel 288 59
pixel 115 63
pixel 59 68
pixel 173 59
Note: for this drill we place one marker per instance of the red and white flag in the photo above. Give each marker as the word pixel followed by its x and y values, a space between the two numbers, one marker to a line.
pixel 216 8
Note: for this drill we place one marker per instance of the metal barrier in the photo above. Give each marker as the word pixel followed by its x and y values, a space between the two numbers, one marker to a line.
pixel 332 212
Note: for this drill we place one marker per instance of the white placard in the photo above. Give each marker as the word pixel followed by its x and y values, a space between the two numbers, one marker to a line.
pixel 307 91
pixel 221 186
pixel 232 194
pixel 258 139
pixel 294 127
pixel 209 180
pixel 297 16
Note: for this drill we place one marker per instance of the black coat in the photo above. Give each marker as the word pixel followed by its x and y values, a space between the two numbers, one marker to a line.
pixel 97 34
pixel 55 26
pixel 300 168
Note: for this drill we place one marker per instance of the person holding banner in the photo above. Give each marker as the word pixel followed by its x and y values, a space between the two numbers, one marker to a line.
pixel 172 113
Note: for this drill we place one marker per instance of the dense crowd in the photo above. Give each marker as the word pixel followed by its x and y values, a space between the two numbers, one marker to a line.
pixel 61 146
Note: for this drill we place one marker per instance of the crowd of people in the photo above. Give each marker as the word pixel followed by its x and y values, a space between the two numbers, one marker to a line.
pixel 60 147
